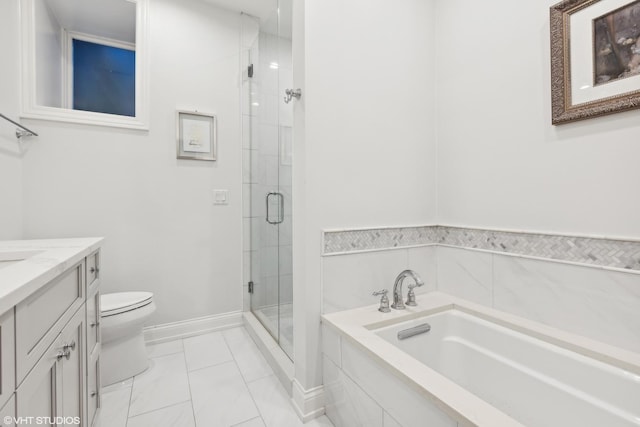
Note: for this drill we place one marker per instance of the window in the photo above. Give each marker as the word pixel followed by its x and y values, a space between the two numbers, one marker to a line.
pixel 104 78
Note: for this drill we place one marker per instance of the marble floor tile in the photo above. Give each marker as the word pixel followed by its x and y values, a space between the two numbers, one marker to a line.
pixel 115 407
pixel 220 396
pixel 118 386
pixel 165 348
pixel 322 421
pixel 206 350
pixel 165 383
pixel 256 422
pixel 180 415
pixel 251 362
pixel 273 403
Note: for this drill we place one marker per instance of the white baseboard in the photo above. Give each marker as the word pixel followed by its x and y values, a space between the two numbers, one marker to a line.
pixel 309 404
pixel 191 327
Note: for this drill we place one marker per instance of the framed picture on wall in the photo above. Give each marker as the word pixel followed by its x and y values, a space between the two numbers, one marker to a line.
pixel 595 58
pixel 196 135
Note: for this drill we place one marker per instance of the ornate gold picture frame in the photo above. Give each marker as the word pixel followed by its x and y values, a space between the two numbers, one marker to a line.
pixel 595 58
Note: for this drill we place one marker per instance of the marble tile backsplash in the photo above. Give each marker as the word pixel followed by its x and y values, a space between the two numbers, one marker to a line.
pixel 584 250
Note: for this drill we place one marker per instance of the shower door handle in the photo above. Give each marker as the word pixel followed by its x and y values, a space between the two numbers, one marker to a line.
pixel 280 208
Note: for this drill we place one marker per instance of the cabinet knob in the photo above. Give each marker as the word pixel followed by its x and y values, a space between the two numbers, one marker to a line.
pixel 94 270
pixel 94 324
pixel 93 394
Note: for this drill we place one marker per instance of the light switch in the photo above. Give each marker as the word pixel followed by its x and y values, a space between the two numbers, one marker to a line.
pixel 220 197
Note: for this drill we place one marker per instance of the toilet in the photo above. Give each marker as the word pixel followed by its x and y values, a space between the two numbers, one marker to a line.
pixel 122 316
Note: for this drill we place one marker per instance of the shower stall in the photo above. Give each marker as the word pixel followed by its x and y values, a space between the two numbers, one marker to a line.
pixel 267 163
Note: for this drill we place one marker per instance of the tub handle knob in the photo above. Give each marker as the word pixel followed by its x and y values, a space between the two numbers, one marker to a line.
pixel 384 300
pixel 411 296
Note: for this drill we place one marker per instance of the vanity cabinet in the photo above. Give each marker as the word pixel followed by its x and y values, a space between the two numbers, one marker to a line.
pixel 7 359
pixel 93 337
pixel 57 347
pixel 55 386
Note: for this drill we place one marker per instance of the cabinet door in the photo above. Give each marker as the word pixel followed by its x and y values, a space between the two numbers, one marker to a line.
pixel 40 394
pixel 72 375
pixel 93 387
pixel 7 357
pixel 93 321
pixel 8 413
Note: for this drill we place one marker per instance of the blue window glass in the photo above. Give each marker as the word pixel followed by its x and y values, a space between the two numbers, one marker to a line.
pixel 104 79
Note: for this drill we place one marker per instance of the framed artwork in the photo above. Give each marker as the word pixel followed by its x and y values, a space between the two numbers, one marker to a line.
pixel 196 135
pixel 595 58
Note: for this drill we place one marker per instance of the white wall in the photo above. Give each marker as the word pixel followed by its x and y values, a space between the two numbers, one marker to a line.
pixel 10 152
pixel 48 41
pixel 365 151
pixel 163 234
pixel 501 163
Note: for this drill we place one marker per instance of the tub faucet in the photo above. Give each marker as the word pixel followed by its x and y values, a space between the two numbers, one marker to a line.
pixel 397 288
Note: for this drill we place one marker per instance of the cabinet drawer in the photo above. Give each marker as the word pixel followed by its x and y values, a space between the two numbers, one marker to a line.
pixel 93 271
pixel 41 316
pixel 7 357
pixel 93 321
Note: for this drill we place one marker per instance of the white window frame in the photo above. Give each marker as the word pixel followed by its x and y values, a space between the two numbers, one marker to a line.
pixel 28 106
pixel 67 53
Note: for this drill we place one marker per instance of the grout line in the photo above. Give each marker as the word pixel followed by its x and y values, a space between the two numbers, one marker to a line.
pixel 130 400
pixel 158 409
pixel 239 424
pixel 193 411
pixel 246 385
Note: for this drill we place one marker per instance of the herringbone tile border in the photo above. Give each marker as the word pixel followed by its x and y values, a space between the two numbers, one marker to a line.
pixel 602 252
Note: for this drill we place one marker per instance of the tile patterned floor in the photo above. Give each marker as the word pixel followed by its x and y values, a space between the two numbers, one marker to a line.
pixel 219 379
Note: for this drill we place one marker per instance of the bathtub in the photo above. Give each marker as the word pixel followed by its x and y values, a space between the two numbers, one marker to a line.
pixel 485 368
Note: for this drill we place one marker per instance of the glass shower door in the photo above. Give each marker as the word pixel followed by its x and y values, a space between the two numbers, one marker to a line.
pixel 271 179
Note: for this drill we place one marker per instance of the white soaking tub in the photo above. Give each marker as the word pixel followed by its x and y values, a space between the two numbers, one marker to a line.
pixel 486 368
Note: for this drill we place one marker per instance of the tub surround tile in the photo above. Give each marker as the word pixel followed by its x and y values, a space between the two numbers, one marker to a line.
pixel 423 261
pixel 180 415
pixel 599 304
pixel 349 281
pixel 165 383
pixel 403 403
pixel 220 396
pixel 206 350
pixel 380 238
pixel 331 346
pixel 466 274
pixel 604 252
pixel 347 405
pixel 620 254
pixel 366 358
pixel 274 403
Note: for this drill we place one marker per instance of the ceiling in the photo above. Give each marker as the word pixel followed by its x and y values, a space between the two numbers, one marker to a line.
pixel 114 19
pixel 265 10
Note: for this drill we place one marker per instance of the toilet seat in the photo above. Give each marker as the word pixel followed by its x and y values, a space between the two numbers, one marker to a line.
pixel 121 302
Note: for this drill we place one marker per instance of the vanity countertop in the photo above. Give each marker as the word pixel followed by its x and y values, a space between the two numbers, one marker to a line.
pixel 26 265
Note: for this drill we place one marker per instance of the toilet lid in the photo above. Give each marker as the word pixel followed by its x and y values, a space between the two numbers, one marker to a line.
pixel 120 302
